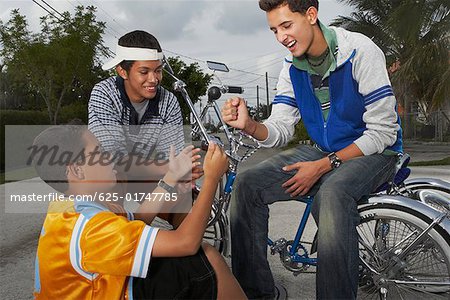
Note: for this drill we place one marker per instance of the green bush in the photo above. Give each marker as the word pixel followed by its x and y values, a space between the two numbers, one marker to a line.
pixel 18 117
pixel 300 134
pixel 77 110
pixel 23 117
pixel 30 117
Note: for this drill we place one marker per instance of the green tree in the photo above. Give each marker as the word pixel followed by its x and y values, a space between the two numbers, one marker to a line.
pixel 60 61
pixel 196 82
pixel 414 35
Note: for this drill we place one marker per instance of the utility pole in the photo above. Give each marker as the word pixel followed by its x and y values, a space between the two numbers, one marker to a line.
pixel 267 93
pixel 257 102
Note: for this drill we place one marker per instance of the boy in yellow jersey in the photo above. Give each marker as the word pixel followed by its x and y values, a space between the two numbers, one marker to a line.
pixel 98 250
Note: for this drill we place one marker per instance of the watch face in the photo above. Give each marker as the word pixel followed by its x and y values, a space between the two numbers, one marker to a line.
pixel 336 163
pixel 334 160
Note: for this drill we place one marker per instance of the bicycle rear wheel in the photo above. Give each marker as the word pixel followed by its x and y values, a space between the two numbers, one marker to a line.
pixel 435 195
pixel 384 233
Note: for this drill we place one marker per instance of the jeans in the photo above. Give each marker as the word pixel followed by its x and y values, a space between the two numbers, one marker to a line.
pixel 334 209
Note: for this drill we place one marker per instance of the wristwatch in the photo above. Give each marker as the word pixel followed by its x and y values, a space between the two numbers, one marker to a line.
pixel 335 161
pixel 167 187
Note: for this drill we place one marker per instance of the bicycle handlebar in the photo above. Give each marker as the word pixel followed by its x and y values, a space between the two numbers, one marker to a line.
pixel 234 89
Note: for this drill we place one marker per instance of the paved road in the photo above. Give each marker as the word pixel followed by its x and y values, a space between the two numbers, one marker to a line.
pixel 19 233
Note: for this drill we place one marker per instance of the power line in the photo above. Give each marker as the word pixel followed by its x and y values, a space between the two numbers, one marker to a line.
pixel 109 52
pixel 106 28
pixel 53 8
pixel 252 67
pixel 267 64
pixel 49 12
pixel 185 56
pixel 114 20
pixel 203 61
pixel 251 73
pixel 256 57
pixel 251 81
pixel 179 54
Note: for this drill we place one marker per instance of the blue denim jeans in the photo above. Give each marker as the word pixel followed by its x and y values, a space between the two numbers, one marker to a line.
pixel 334 210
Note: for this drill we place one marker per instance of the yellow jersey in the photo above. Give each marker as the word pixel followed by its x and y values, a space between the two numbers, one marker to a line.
pixel 86 251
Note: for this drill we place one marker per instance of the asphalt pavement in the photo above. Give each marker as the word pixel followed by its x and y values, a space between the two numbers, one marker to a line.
pixel 19 232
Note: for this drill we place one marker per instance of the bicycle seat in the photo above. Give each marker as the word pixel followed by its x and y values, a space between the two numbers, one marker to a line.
pixel 401 173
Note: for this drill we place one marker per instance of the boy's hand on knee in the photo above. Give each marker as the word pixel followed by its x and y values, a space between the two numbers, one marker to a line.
pixel 215 163
pixel 308 173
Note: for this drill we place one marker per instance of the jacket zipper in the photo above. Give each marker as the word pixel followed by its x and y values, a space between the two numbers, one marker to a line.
pixel 325 123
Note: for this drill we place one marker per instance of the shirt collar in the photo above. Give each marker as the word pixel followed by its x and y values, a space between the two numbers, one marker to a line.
pixel 152 108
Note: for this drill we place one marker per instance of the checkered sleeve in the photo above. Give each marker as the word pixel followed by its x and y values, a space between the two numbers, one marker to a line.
pixel 105 118
pixel 172 129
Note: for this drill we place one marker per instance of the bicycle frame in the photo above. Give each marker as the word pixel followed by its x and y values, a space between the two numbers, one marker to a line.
pixel 280 244
pixel 221 205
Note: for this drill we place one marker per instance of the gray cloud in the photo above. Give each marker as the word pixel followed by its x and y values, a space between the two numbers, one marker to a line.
pixel 241 18
pixel 164 19
pixel 234 32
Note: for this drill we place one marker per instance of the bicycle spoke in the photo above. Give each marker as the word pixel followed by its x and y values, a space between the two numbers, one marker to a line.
pixel 422 272
pixel 378 260
pixel 414 292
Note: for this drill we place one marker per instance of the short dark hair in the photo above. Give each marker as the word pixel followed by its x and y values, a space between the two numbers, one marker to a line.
pixel 57 140
pixel 300 6
pixel 138 39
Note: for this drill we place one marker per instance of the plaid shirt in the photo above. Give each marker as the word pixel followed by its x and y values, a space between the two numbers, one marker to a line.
pixel 115 122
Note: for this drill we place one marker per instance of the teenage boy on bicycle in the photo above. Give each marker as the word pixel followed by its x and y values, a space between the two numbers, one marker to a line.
pixel 337 82
pixel 98 250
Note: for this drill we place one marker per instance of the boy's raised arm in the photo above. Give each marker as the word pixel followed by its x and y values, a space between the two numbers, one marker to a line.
pixel 187 238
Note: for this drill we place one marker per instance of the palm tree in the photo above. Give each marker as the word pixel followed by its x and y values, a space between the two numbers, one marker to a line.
pixel 414 35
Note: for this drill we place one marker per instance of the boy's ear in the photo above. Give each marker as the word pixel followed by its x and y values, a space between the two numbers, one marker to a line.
pixel 312 15
pixel 75 171
pixel 121 72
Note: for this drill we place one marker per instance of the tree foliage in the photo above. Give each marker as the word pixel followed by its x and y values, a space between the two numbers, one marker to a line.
pixel 414 35
pixel 196 82
pixel 58 65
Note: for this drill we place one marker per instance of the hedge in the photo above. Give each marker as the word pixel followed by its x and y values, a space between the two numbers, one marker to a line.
pixel 29 117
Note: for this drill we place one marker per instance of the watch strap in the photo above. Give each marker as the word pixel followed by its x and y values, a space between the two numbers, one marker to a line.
pixel 167 187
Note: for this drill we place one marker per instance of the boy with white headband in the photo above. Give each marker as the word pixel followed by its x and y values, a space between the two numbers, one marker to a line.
pixel 135 98
pixel 133 117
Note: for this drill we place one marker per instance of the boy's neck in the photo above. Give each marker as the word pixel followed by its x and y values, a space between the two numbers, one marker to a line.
pixel 133 97
pixel 319 44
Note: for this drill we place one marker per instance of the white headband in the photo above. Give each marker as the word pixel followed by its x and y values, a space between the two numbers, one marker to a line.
pixel 128 53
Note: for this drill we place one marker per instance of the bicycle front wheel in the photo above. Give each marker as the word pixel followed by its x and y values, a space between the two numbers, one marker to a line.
pixel 385 231
pixel 217 236
pixel 217 233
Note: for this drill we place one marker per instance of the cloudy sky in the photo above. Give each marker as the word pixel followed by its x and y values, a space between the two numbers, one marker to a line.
pixel 233 32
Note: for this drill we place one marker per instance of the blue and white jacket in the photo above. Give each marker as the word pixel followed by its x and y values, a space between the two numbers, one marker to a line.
pixel 363 106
